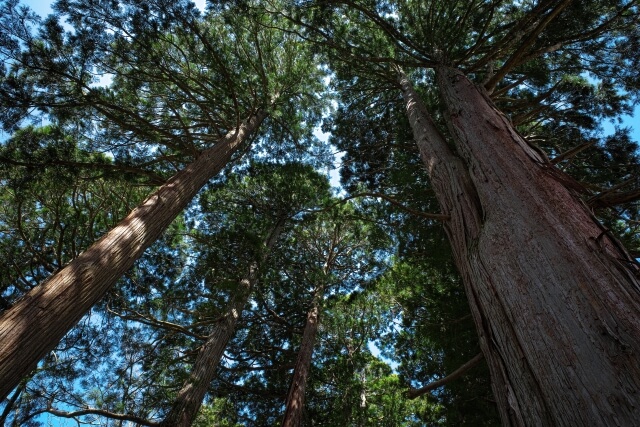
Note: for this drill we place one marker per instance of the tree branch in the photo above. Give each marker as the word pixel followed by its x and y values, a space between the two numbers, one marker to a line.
pixel 610 197
pixel 572 152
pixel 517 56
pixel 417 392
pixel 152 321
pixel 395 202
pixel 155 179
pixel 10 403
pixel 101 412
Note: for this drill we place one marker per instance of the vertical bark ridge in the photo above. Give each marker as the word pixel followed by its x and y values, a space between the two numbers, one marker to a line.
pixel 187 404
pixel 459 200
pixel 559 294
pixel 295 397
pixel 35 324
pixel 447 173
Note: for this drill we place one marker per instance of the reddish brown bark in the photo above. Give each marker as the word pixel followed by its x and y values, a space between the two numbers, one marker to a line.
pixel 187 404
pixel 295 397
pixel 554 297
pixel 34 325
pixel 189 399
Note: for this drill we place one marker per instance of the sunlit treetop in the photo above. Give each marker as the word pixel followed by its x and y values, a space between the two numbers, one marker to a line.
pixel 158 81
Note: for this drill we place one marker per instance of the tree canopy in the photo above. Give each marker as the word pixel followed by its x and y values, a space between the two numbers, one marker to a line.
pixel 104 103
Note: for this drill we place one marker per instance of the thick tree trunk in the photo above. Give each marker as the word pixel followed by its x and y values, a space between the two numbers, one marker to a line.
pixel 36 323
pixel 295 397
pixel 187 404
pixel 554 296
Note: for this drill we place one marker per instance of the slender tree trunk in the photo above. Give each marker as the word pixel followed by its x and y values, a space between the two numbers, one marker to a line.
pixel 36 323
pixel 554 296
pixel 187 404
pixel 295 397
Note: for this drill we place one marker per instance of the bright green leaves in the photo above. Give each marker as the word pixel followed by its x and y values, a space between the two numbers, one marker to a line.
pixel 219 412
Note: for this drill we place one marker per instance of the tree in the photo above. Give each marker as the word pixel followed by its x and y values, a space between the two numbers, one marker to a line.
pixel 331 254
pixel 148 348
pixel 278 193
pixel 518 266
pixel 503 100
pixel 550 289
pixel 160 96
pixel 33 326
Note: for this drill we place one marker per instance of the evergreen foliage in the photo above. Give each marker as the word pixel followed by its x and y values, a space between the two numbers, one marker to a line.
pixel 104 101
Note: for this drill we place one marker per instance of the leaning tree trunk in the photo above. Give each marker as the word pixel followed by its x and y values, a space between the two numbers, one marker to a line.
pixel 36 323
pixel 295 397
pixel 187 404
pixel 554 296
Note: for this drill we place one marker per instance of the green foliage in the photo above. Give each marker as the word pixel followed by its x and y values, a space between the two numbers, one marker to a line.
pixel 215 414
pixel 56 200
pixel 135 90
pixel 350 386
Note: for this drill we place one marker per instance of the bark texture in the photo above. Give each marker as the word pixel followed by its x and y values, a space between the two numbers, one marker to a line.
pixel 189 399
pixel 554 296
pixel 36 323
pixel 187 404
pixel 295 397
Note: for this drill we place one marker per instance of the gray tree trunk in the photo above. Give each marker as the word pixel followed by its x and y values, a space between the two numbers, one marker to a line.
pixel 187 404
pixel 554 296
pixel 35 324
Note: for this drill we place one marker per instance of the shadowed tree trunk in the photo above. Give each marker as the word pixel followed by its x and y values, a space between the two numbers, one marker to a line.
pixel 554 296
pixel 35 324
pixel 295 397
pixel 186 406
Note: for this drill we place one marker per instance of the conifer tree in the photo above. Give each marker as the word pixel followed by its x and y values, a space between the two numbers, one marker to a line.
pixel 543 277
pixel 186 88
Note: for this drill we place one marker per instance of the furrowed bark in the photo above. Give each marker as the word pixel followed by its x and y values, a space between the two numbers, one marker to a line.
pixel 186 406
pixel 555 298
pixel 458 198
pixel 447 173
pixel 35 324
pixel 295 397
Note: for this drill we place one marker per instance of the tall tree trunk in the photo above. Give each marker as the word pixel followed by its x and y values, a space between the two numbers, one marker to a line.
pixel 295 397
pixel 187 404
pixel 554 296
pixel 36 323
